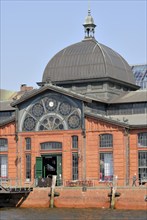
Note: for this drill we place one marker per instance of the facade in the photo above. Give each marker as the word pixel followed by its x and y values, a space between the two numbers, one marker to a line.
pixel 87 121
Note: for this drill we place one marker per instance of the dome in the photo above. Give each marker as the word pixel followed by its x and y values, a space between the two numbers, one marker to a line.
pixel 87 60
pixel 89 19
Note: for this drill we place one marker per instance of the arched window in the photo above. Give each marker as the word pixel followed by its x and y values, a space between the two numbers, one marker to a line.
pixel 3 144
pixel 51 112
pixel 106 140
pixel 74 142
pixel 142 139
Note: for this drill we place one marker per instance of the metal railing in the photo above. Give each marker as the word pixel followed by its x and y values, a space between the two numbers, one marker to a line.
pixel 14 183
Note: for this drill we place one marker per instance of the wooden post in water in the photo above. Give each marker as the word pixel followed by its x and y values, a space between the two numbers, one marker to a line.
pixel 113 191
pixel 52 191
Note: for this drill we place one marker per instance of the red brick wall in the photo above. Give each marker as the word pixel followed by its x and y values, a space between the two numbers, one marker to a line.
pixel 93 129
pixel 8 132
pixel 39 137
pixel 134 148
pixel 130 198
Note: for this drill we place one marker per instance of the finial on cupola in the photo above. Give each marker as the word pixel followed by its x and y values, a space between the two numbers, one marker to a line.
pixel 89 25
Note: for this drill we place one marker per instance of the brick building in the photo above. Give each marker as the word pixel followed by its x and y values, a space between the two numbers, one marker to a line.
pixel 86 121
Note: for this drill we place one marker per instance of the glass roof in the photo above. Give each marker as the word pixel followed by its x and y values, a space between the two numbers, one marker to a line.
pixel 140 73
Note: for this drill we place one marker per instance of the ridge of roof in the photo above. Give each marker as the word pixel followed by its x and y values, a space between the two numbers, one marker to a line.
pixel 52 87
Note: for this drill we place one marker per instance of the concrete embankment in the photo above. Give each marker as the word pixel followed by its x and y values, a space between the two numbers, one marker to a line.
pixel 75 197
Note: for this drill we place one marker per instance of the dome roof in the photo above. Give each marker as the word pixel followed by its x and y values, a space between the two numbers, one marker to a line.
pixel 89 19
pixel 87 60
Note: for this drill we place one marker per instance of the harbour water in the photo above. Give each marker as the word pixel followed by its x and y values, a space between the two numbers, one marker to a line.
pixel 70 214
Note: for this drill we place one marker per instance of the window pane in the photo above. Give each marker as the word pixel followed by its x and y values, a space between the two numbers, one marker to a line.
pixel 74 141
pixel 142 139
pixel 3 144
pixel 3 165
pixel 113 110
pixel 126 109
pixel 142 165
pixel 28 166
pixel 51 145
pixel 106 140
pixel 139 108
pixel 74 166
pixel 28 143
pixel 106 166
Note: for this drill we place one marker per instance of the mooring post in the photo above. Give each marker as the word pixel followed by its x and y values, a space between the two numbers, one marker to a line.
pixel 113 191
pixel 52 191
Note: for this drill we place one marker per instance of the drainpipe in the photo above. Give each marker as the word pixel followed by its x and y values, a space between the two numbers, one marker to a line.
pixel 16 139
pixel 84 144
pixel 127 147
pixel 20 161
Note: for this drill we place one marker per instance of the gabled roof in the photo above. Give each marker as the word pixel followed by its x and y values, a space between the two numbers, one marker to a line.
pixel 51 87
pixel 130 97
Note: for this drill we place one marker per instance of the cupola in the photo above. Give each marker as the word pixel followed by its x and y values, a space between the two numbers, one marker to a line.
pixel 89 26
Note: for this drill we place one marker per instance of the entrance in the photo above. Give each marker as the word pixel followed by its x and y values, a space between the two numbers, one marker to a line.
pixel 49 165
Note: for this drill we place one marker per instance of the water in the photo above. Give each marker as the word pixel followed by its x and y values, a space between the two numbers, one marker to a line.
pixel 70 214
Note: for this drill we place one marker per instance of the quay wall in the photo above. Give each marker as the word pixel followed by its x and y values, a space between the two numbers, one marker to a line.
pixel 75 197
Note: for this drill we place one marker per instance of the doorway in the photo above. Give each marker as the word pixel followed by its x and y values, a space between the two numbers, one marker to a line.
pixel 49 165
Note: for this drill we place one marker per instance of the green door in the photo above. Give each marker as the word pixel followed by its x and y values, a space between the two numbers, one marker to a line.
pixel 39 166
pixel 59 170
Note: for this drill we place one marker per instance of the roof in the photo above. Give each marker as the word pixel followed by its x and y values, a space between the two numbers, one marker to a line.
pixel 5 106
pixel 107 119
pixel 131 97
pixel 6 98
pixel 6 94
pixel 133 120
pixel 87 59
pixel 128 121
pixel 128 97
pixel 7 121
pixel 140 73
pixel 64 91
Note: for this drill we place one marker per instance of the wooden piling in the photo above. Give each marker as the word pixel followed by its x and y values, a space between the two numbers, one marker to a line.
pixel 113 191
pixel 112 198
pixel 52 191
